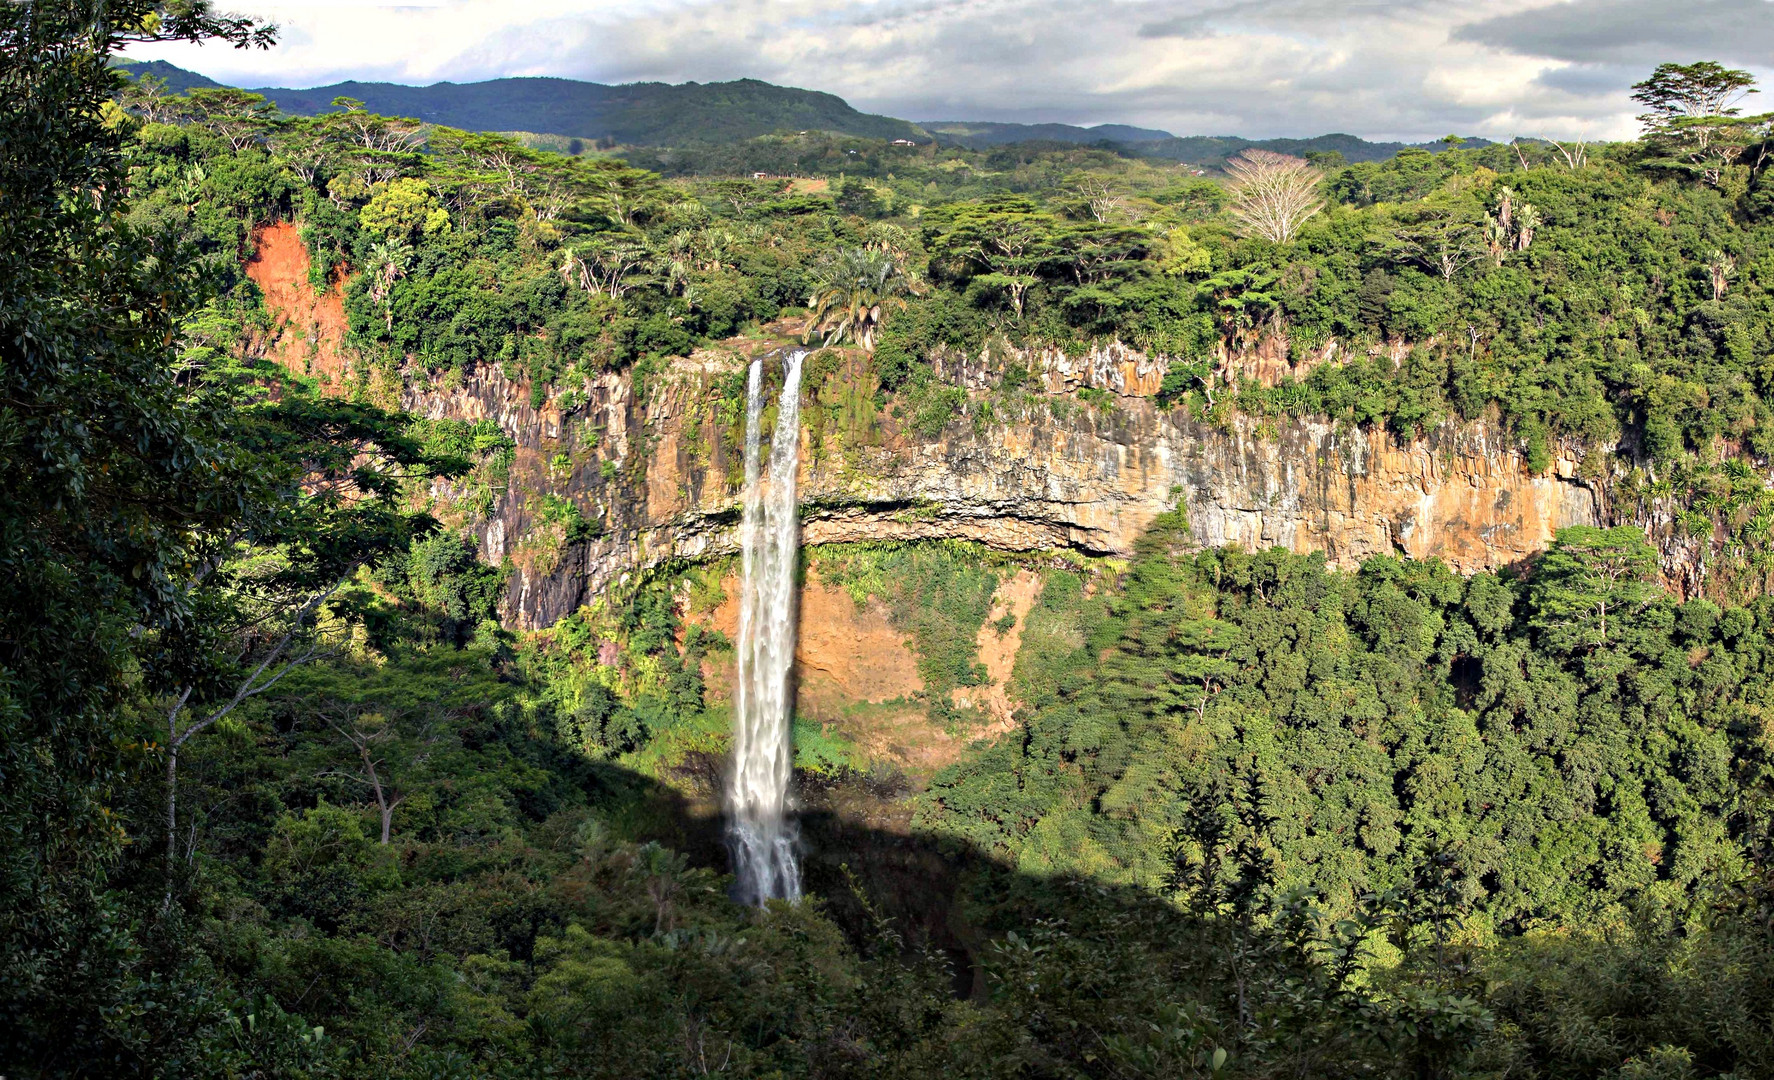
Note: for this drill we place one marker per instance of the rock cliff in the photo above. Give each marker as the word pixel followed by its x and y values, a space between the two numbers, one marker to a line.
pixel 1079 456
pixel 1048 471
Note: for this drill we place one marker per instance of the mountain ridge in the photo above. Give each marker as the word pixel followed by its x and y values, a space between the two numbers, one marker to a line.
pixel 978 134
pixel 641 114
pixel 654 114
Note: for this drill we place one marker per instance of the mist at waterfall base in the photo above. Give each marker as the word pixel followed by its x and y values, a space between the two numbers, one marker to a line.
pixel 759 832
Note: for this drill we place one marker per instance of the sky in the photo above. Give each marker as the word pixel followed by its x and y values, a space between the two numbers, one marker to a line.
pixel 1411 69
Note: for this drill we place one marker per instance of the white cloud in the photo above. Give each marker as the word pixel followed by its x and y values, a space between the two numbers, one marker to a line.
pixel 1407 69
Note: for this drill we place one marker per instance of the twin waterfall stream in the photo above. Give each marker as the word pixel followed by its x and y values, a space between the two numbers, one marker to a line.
pixel 758 829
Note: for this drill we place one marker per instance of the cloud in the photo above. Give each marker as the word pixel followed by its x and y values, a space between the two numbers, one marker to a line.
pixel 1183 26
pixel 1586 80
pixel 1410 69
pixel 1634 32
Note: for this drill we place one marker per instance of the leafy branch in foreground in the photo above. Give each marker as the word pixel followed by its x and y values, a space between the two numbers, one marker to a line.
pixel 110 479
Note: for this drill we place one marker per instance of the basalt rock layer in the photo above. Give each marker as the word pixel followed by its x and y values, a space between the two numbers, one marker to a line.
pixel 1043 471
pixel 1078 455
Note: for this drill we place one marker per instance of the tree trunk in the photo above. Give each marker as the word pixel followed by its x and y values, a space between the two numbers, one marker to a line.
pixel 382 803
pixel 172 819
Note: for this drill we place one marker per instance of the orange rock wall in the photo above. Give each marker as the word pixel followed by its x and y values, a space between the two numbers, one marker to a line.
pixel 1058 473
pixel 845 653
pixel 857 676
pixel 308 325
pixel 1046 470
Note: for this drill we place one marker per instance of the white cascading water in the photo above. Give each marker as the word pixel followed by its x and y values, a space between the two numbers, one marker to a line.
pixel 758 829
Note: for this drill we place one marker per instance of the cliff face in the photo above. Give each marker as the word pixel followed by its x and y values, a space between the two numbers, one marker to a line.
pixel 1051 471
pixel 308 325
pixel 1079 457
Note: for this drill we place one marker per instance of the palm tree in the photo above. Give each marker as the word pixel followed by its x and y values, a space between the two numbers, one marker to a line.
pixel 1720 269
pixel 853 292
pixel 664 869
pixel 387 265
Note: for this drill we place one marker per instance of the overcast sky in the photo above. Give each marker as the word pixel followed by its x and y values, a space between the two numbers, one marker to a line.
pixel 1411 69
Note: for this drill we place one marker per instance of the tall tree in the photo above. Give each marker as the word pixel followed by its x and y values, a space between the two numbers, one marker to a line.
pixel 1705 88
pixel 1008 239
pixel 374 149
pixel 1273 194
pixel 109 475
pixel 1439 240
pixel 1591 579
pixel 1693 118
pixel 379 744
pixel 240 118
pixel 148 98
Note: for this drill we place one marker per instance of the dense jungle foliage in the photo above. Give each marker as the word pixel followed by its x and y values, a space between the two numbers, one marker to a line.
pixel 1586 298
pixel 283 799
pixel 1603 297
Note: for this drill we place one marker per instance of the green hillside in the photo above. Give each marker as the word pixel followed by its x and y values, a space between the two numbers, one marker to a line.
pixel 1210 151
pixel 980 134
pixel 636 114
pixel 177 79
pixel 694 115
pixel 1213 150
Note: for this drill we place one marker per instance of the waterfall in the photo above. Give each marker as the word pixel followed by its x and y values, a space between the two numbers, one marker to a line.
pixel 758 829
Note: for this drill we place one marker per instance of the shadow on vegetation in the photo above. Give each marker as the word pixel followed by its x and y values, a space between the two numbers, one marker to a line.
pixel 862 860
pixel 855 834
pixel 1072 961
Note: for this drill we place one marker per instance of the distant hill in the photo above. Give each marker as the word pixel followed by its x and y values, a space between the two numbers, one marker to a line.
pixel 976 135
pixel 1207 151
pixel 704 114
pixel 634 114
pixel 177 79
pixel 1212 151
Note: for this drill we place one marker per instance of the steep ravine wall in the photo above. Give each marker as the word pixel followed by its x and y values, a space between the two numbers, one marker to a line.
pixel 1080 476
pixel 1046 470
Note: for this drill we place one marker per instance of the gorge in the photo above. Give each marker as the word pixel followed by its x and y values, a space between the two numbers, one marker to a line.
pixel 1048 471
pixel 820 606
